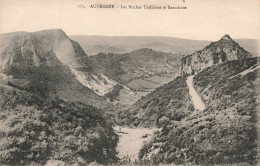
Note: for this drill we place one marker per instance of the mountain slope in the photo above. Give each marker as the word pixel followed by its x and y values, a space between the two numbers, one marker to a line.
pixel 168 102
pixel 161 101
pixel 34 130
pixel 223 132
pixel 226 131
pixel 47 92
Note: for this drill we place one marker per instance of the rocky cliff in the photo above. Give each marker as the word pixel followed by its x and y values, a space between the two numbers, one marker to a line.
pixel 50 63
pixel 217 52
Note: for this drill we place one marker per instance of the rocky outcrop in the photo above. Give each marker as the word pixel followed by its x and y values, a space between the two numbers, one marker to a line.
pixel 43 48
pixel 217 52
pixel 25 52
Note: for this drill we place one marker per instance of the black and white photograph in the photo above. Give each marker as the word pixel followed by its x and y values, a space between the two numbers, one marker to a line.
pixel 129 82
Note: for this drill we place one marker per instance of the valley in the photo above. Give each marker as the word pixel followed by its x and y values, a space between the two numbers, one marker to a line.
pixel 80 100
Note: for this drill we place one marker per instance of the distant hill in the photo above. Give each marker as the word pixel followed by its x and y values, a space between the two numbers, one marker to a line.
pixel 138 72
pixel 93 45
pixel 136 64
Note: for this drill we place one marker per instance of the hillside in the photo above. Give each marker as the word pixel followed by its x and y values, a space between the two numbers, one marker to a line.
pixel 35 130
pixel 162 100
pixel 47 92
pixel 93 45
pixel 223 131
pixel 138 72
pixel 50 64
pixel 226 131
pixel 166 103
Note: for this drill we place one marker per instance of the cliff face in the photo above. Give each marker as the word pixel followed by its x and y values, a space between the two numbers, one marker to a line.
pixel 217 52
pixel 43 48
pixel 21 53
pixel 50 64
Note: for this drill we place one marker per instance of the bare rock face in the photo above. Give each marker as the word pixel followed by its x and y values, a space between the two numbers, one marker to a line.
pixel 217 52
pixel 22 53
pixel 43 48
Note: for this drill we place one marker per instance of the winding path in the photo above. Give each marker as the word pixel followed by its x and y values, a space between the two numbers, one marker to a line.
pixel 196 99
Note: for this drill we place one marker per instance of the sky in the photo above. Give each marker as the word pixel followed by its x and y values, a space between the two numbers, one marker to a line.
pixel 202 20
